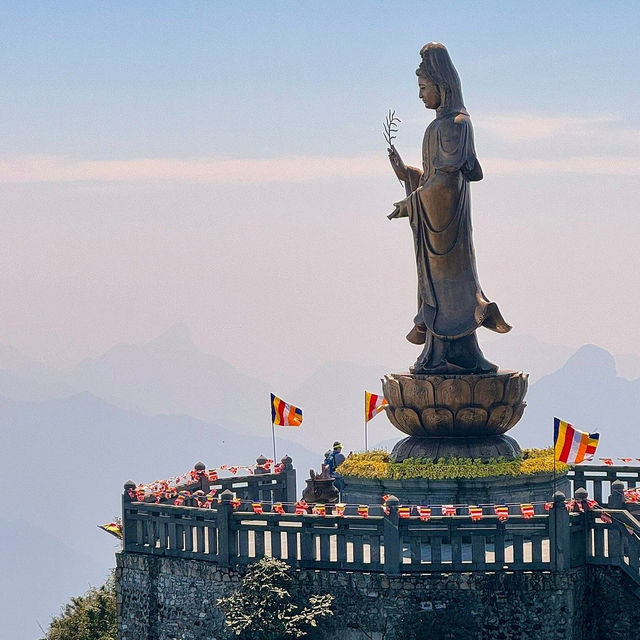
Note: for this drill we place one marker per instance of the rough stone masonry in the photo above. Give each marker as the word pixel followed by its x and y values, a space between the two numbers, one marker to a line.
pixel 169 599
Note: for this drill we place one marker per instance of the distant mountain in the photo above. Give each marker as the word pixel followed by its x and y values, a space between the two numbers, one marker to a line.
pixel 64 463
pixel 333 402
pixel 39 574
pixel 24 379
pixel 587 392
pixel 170 375
pixel 537 358
pixel 628 365
pixel 526 353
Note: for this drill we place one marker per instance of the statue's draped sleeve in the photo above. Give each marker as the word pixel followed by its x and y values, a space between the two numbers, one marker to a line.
pixel 451 303
pixel 455 150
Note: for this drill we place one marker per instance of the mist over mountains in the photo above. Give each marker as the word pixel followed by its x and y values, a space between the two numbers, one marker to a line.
pixel 64 461
pixel 144 412
pixel 587 392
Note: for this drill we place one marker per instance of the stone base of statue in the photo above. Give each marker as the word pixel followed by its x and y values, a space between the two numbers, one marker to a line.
pixel 443 447
pixel 455 416
pixel 455 405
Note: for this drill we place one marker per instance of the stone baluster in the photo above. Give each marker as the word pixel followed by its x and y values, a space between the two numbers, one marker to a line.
pixel 224 515
pixel 128 527
pixel 391 538
pixel 204 478
pixel 616 499
pixel 288 476
pixel 559 536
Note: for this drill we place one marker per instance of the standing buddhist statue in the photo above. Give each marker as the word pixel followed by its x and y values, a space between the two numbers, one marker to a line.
pixel 451 303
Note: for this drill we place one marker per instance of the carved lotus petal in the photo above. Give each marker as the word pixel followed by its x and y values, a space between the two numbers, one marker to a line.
pixel 518 410
pixel 471 417
pixel 488 391
pixel 408 420
pixel 438 421
pixel 453 393
pixel 417 393
pixel 499 417
pixel 515 389
pixel 392 419
pixel 391 390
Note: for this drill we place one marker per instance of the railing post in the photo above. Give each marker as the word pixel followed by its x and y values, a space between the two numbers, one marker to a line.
pixel 289 478
pixel 204 478
pixel 580 539
pixel 391 538
pixel 616 499
pixel 261 460
pixel 225 510
pixel 559 535
pixel 128 528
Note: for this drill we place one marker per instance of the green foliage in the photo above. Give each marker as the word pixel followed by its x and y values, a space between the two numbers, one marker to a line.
pixel 376 464
pixel 263 607
pixel 92 616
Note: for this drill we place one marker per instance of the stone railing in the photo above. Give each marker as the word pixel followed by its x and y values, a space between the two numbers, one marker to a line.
pixel 261 486
pixel 555 541
pixel 598 479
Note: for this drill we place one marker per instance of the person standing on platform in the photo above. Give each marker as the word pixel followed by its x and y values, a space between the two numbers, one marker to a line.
pixel 336 459
pixel 337 456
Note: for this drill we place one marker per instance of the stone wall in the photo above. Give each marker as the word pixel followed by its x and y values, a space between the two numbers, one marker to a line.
pixel 166 599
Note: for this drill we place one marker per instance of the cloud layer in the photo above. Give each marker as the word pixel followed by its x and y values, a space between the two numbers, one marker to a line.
pixel 526 144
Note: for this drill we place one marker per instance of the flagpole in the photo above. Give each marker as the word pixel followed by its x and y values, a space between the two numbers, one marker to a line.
pixel 366 442
pixel 273 435
pixel 553 448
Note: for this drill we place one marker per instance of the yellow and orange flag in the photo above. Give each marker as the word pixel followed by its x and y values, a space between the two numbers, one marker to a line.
pixel 571 445
pixel 373 405
pixel 285 414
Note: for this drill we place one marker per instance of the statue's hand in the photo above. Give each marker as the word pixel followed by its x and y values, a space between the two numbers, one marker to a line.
pixel 399 167
pixel 400 211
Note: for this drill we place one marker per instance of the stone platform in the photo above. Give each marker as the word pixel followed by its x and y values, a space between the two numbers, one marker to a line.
pixel 420 491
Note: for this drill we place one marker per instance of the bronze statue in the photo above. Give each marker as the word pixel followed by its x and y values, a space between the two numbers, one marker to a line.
pixel 451 304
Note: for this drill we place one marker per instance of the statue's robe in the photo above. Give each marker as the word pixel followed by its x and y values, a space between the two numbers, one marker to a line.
pixel 451 304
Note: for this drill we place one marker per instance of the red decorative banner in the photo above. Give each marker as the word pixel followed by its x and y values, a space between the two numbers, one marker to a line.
pixel 502 513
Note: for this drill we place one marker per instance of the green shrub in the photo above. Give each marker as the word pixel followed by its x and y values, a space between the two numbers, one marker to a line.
pixel 376 464
pixel 92 616
pixel 263 608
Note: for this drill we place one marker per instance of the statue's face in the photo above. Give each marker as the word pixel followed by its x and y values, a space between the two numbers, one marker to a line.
pixel 429 93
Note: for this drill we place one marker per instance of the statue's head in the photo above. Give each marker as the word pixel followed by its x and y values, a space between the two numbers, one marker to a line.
pixel 438 79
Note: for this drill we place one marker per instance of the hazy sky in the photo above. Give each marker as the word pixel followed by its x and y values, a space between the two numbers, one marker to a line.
pixel 222 165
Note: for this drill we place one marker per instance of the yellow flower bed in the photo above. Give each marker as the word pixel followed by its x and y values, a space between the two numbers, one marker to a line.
pixel 376 464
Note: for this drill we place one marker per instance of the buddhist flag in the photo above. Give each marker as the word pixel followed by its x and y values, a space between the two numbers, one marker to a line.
pixel 573 446
pixel 114 528
pixel 527 510
pixel 373 405
pixel 424 513
pixel 475 513
pixel 501 512
pixel 284 414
